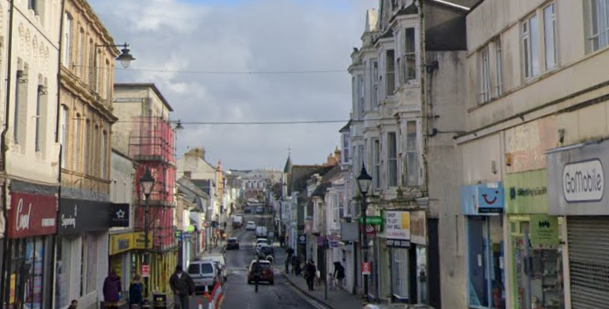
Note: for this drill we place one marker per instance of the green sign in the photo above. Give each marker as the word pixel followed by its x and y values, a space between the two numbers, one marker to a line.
pixel 178 234
pixel 372 220
pixel 526 193
pixel 543 231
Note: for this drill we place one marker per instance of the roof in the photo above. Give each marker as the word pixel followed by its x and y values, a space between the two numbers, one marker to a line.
pixel 326 181
pixel 301 173
pixel 146 85
pixel 288 166
pixel 346 127
pixel 203 184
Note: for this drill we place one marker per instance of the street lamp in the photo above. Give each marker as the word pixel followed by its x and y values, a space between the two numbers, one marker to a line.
pixel 363 183
pixel 146 185
pixel 124 57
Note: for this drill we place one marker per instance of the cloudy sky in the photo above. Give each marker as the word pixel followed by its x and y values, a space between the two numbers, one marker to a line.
pixel 199 53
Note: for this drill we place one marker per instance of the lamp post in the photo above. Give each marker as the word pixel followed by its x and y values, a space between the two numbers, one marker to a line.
pixel 363 183
pixel 124 57
pixel 146 185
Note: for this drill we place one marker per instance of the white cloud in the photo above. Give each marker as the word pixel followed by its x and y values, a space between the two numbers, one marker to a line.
pixel 265 35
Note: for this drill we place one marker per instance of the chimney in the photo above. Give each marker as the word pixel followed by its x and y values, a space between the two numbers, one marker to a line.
pixel 197 152
pixel 337 154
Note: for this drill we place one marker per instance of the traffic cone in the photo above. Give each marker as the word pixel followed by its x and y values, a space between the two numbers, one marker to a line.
pixel 200 304
pixel 206 293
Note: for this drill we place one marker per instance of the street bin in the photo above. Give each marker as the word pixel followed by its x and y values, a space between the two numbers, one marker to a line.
pixel 159 301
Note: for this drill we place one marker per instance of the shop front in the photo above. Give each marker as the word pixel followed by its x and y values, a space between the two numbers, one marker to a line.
pixel 577 191
pixel 534 243
pixel 82 248
pixel 123 257
pixel 32 222
pixel 483 206
pixel 397 230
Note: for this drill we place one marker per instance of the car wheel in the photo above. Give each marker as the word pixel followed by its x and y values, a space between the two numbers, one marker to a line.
pixel 272 282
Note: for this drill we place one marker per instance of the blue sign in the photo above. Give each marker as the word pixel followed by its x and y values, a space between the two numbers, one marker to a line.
pixel 482 199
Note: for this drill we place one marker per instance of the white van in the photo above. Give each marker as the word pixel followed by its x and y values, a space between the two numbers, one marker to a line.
pixel 261 231
pixel 237 221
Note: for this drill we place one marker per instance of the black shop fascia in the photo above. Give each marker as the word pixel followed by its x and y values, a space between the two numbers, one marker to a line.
pixel 80 216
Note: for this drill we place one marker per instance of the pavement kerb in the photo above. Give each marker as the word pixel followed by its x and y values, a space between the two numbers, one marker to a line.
pixel 307 293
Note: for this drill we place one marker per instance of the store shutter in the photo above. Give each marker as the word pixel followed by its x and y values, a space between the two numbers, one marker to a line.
pixel 588 240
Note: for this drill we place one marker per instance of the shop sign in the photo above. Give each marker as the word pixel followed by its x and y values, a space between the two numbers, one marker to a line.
pixel 349 231
pixel 372 220
pixel 128 241
pixel 397 228
pixel 543 232
pixel 79 216
pixel 583 181
pixel 576 179
pixel 32 215
pixel 482 199
pixel 418 227
pixel 526 192
pixel 145 270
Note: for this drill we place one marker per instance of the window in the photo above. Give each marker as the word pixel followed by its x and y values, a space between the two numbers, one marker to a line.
pixel 599 24
pixel 498 67
pixel 77 133
pixel 104 157
pixel 412 154
pixel 530 47
pixel 67 36
pixel 38 128
pixel 374 83
pixel 92 66
pixel 20 117
pixel 81 53
pixel 484 78
pixel 361 96
pixel 95 152
pixel 87 140
pixel 392 160
pixel 64 133
pixel 549 33
pixel 345 153
pixel 390 72
pixel 376 169
pixel 410 64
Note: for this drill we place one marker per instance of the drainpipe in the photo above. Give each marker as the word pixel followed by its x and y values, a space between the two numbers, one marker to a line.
pixel 3 147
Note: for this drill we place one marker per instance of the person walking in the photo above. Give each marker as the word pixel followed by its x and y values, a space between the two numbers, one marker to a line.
pixel 136 290
pixel 73 304
pixel 182 286
pixel 310 272
pixel 112 290
pixel 339 274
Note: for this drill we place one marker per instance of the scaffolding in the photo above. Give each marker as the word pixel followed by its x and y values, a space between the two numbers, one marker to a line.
pixel 151 139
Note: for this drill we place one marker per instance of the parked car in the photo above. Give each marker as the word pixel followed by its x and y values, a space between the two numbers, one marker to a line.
pixel 266 271
pixel 250 225
pixel 265 251
pixel 220 264
pixel 259 210
pixel 260 242
pixel 232 243
pixel 204 273
pixel 247 210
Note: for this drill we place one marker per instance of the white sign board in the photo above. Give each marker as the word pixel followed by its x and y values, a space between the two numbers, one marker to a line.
pixel 397 225
pixel 583 181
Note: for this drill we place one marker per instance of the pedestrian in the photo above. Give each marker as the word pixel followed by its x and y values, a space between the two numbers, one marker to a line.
pixel 281 237
pixel 288 261
pixel 225 225
pixel 339 274
pixel 112 290
pixel 182 286
pixel 309 273
pixel 136 289
pixel 73 304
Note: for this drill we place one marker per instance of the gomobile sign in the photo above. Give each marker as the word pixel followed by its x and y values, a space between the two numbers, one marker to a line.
pixel 583 181
pixel 576 179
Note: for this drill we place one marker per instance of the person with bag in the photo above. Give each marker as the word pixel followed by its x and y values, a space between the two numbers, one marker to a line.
pixel 309 273
pixel 182 286
pixel 339 274
pixel 136 290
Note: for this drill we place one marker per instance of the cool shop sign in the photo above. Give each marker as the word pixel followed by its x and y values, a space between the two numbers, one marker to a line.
pixel 576 179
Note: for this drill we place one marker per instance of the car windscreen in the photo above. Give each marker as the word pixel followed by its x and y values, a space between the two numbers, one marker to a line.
pixel 207 268
pixel 267 250
pixel 194 269
pixel 232 241
pixel 264 265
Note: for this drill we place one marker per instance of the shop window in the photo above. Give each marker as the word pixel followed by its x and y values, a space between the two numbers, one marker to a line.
pixel 537 269
pixel 486 284
pixel 400 274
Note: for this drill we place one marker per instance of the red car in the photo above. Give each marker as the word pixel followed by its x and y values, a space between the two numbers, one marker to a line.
pixel 267 274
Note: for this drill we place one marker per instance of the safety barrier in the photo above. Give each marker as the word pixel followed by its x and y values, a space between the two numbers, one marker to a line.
pixel 216 297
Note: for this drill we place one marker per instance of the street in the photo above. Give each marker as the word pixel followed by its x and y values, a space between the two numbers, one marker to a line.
pixel 240 295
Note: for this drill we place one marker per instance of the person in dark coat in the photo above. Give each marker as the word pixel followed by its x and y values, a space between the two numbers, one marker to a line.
pixel 136 289
pixel 339 273
pixel 310 272
pixel 182 286
pixel 112 290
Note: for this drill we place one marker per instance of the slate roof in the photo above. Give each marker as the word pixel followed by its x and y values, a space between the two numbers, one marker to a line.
pixel 346 127
pixel 203 184
pixel 192 192
pixel 302 173
pixel 326 181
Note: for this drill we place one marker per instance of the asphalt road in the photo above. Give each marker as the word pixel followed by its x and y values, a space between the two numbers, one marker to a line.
pixel 240 295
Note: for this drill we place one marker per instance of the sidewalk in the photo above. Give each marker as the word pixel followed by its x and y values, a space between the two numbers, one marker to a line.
pixel 337 299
